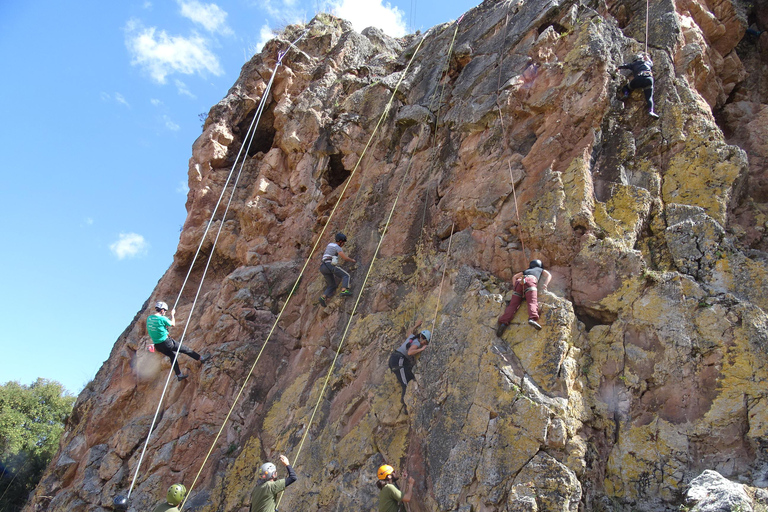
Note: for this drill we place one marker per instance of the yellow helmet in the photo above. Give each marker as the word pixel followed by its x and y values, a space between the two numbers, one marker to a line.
pixel 384 471
pixel 176 494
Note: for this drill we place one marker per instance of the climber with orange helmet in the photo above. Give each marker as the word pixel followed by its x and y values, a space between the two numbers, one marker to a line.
pixel 332 271
pixel 173 498
pixel 401 360
pixel 642 79
pixel 526 283
pixel 390 495
pixel 264 495
pixel 157 328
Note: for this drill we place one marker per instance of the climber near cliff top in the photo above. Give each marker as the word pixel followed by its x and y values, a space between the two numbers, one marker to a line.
pixel 264 495
pixel 157 327
pixel 642 79
pixel 390 495
pixel 331 270
pixel 401 360
pixel 525 285
pixel 176 494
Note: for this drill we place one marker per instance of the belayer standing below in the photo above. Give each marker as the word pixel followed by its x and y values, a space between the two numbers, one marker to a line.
pixel 390 495
pixel 264 495
pixel 401 360
pixel 331 271
pixel 642 79
pixel 157 328
pixel 174 497
pixel 526 283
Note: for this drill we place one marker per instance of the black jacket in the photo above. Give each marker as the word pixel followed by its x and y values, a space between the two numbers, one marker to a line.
pixel 639 67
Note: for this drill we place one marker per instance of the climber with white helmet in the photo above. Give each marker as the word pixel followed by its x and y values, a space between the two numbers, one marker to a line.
pixel 642 79
pixel 401 361
pixel 331 270
pixel 526 283
pixel 390 495
pixel 157 328
pixel 264 495
pixel 175 495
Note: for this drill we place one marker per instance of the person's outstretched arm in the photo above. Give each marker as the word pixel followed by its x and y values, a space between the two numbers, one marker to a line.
pixel 291 473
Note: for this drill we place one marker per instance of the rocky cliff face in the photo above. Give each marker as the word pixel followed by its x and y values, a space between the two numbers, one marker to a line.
pixel 650 368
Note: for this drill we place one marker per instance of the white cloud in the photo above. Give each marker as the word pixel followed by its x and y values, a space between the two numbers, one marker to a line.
pixel 265 34
pixel 160 54
pixel 183 188
pixel 129 245
pixel 212 17
pixel 170 124
pixel 89 221
pixel 371 13
pixel 147 5
pixel 121 99
pixel 183 89
pixel 105 96
pixel 156 102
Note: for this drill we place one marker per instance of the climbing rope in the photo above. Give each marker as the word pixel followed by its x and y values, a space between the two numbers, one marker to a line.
pixel 349 322
pixel 306 263
pixel 446 68
pixel 647 17
pixel 440 290
pixel 249 136
pixel 504 136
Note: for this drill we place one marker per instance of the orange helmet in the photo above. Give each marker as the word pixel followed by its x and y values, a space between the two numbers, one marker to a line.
pixel 384 471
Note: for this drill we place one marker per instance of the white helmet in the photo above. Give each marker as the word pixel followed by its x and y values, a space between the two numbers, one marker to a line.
pixel 161 305
pixel 426 334
pixel 267 471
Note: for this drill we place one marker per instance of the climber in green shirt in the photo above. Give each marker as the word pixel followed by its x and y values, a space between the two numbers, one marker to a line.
pixel 264 495
pixel 157 328
pixel 390 495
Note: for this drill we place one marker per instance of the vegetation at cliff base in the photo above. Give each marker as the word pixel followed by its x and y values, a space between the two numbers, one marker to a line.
pixel 31 422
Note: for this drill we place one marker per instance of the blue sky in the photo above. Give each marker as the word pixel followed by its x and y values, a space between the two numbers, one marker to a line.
pixel 100 105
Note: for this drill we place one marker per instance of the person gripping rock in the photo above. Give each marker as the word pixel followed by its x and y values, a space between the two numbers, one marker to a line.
pixel 332 272
pixel 525 287
pixel 641 68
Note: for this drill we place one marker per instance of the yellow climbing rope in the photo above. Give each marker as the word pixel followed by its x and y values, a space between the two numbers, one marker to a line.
pixel 306 263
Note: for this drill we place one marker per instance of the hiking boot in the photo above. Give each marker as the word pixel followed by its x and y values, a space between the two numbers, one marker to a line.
pixel 182 376
pixel 321 301
pixel 500 328
pixel 346 293
pixel 534 324
pixel 653 114
pixel 205 358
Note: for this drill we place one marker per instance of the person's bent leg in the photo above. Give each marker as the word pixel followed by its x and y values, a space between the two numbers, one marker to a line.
pixel 184 350
pixel 514 304
pixel 343 275
pixel 532 300
pixel 167 350
pixel 330 280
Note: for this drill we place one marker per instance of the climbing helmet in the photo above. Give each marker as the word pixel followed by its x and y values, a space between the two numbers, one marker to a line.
pixel 341 237
pixel 176 494
pixel 267 471
pixel 161 305
pixel 535 264
pixel 426 335
pixel 384 471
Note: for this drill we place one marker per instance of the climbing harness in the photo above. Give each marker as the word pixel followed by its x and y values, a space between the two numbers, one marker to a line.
pixel 249 136
pixel 306 263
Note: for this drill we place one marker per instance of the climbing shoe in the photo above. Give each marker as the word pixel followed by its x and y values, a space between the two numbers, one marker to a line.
pixel 321 301
pixel 346 293
pixel 500 328
pixel 205 358
pixel 653 114
pixel 624 93
pixel 182 377
pixel 534 324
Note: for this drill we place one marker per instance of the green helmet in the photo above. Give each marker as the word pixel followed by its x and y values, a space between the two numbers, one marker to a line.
pixel 176 494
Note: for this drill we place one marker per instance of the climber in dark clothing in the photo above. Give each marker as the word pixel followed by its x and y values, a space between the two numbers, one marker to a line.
pixel 401 360
pixel 526 283
pixel 642 79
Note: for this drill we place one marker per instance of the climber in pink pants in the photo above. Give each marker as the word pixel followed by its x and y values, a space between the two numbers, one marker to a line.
pixel 525 286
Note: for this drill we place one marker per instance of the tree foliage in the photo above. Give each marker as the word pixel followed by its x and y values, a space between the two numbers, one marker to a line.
pixel 31 422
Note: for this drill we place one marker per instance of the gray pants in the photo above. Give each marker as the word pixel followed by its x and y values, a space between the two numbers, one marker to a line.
pixel 331 273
